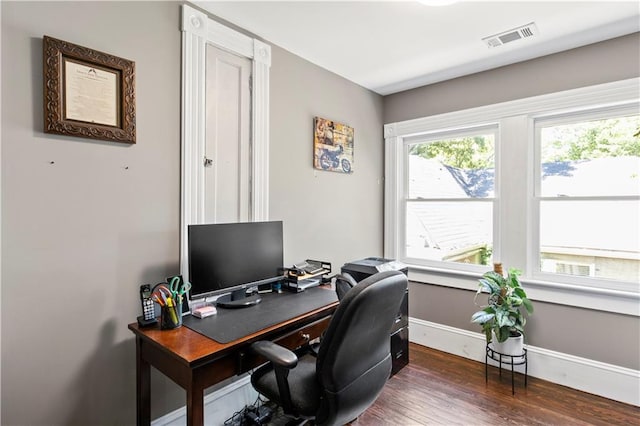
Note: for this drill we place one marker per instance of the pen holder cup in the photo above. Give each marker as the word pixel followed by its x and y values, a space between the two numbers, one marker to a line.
pixel 171 316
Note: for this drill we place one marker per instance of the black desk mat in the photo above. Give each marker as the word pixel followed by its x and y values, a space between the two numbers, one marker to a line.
pixel 232 324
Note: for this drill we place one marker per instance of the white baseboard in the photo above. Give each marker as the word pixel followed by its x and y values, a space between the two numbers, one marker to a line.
pixel 607 380
pixel 219 405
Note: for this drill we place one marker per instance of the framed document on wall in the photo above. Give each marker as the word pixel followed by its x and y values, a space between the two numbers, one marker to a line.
pixel 88 93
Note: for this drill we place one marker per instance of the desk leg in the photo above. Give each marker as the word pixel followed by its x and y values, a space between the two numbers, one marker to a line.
pixel 195 408
pixel 143 387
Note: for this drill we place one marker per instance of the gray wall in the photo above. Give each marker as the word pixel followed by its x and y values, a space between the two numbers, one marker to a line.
pixel 327 215
pixel 581 332
pixel 80 235
pixel 610 60
pixel 591 334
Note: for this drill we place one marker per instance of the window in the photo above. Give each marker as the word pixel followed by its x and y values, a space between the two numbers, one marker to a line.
pixel 450 200
pixel 588 195
pixel 549 185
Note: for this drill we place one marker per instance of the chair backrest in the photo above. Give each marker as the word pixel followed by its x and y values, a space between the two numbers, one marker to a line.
pixel 344 283
pixel 354 359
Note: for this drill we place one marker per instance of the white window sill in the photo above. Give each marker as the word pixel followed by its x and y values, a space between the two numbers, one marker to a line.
pixel 621 302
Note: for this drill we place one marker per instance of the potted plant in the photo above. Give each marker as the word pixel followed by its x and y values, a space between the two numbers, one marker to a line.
pixel 502 319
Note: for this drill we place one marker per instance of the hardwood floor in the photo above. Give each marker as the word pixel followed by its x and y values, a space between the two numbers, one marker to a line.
pixel 437 388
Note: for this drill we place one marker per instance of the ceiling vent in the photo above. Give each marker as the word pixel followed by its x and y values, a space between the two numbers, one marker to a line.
pixel 525 31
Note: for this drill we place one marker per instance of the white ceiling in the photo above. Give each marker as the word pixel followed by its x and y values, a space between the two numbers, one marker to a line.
pixel 390 46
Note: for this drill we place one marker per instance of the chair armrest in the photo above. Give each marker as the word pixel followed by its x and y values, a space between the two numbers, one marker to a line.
pixel 282 360
pixel 277 354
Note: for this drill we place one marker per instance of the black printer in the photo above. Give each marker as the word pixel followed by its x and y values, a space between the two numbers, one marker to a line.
pixel 361 269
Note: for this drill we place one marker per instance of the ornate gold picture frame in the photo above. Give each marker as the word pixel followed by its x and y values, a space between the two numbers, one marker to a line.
pixel 88 93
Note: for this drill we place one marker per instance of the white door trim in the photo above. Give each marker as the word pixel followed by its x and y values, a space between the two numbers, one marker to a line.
pixel 198 30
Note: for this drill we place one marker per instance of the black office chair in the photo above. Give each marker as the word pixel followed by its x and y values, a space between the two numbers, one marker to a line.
pixel 353 363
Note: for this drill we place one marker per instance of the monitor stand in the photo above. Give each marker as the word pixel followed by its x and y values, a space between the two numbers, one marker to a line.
pixel 237 299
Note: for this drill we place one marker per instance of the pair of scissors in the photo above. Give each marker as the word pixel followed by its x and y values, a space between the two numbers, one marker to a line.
pixel 178 288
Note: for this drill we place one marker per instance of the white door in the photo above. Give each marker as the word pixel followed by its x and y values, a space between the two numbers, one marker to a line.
pixel 227 150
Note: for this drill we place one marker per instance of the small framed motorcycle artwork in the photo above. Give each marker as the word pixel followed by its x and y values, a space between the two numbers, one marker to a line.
pixel 332 146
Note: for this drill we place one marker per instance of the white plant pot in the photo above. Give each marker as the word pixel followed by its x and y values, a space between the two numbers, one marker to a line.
pixel 513 346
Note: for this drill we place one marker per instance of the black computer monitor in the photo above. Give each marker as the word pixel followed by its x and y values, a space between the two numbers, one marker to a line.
pixel 231 257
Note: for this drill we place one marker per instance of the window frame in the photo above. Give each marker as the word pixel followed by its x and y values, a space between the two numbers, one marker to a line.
pixel 515 158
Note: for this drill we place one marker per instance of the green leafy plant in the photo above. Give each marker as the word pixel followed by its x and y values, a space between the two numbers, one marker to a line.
pixel 503 313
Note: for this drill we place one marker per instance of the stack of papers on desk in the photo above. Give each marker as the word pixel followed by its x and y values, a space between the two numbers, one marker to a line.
pixel 305 284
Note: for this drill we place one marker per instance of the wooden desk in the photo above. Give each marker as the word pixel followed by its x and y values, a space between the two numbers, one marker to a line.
pixel 196 362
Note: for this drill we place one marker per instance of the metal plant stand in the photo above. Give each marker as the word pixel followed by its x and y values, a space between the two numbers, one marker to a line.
pixel 507 359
